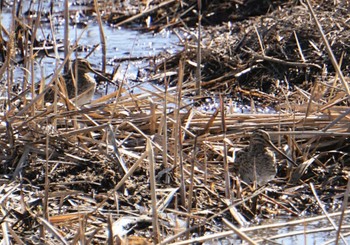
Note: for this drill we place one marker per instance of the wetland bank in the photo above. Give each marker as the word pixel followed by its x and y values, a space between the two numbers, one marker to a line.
pixel 145 161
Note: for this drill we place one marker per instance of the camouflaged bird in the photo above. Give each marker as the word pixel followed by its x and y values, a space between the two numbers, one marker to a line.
pixel 257 162
pixel 85 84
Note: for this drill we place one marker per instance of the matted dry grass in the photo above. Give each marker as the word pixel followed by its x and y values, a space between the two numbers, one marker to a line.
pixel 156 164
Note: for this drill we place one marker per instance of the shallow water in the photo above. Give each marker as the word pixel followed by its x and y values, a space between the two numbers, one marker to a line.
pixel 292 234
pixel 121 44
pixel 311 238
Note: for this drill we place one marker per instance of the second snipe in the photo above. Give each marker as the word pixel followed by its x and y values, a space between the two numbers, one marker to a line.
pixel 85 87
pixel 257 162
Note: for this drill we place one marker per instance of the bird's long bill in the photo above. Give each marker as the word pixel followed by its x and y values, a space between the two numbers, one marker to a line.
pixel 282 153
pixel 101 76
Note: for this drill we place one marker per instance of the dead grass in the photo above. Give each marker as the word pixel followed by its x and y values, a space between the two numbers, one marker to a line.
pixel 155 163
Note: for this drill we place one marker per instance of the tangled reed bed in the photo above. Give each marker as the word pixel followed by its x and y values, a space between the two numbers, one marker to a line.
pixel 155 162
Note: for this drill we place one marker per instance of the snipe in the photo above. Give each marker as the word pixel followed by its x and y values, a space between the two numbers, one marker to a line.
pixel 257 162
pixel 86 85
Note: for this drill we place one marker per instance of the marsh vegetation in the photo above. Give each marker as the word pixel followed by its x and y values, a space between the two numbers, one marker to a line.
pixel 154 164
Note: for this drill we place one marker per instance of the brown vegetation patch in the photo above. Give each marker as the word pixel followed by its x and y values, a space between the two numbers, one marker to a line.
pixel 153 165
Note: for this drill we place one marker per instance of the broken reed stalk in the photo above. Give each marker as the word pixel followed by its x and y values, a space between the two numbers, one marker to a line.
pixel 178 135
pixel 110 238
pixel 102 36
pixel 199 50
pixel 26 63
pixel 47 181
pixel 31 56
pixel 57 58
pixel 164 130
pixel 153 117
pixel 226 167
pixel 343 210
pixel 190 190
pixel 7 66
pixel 152 165
pixel 66 34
